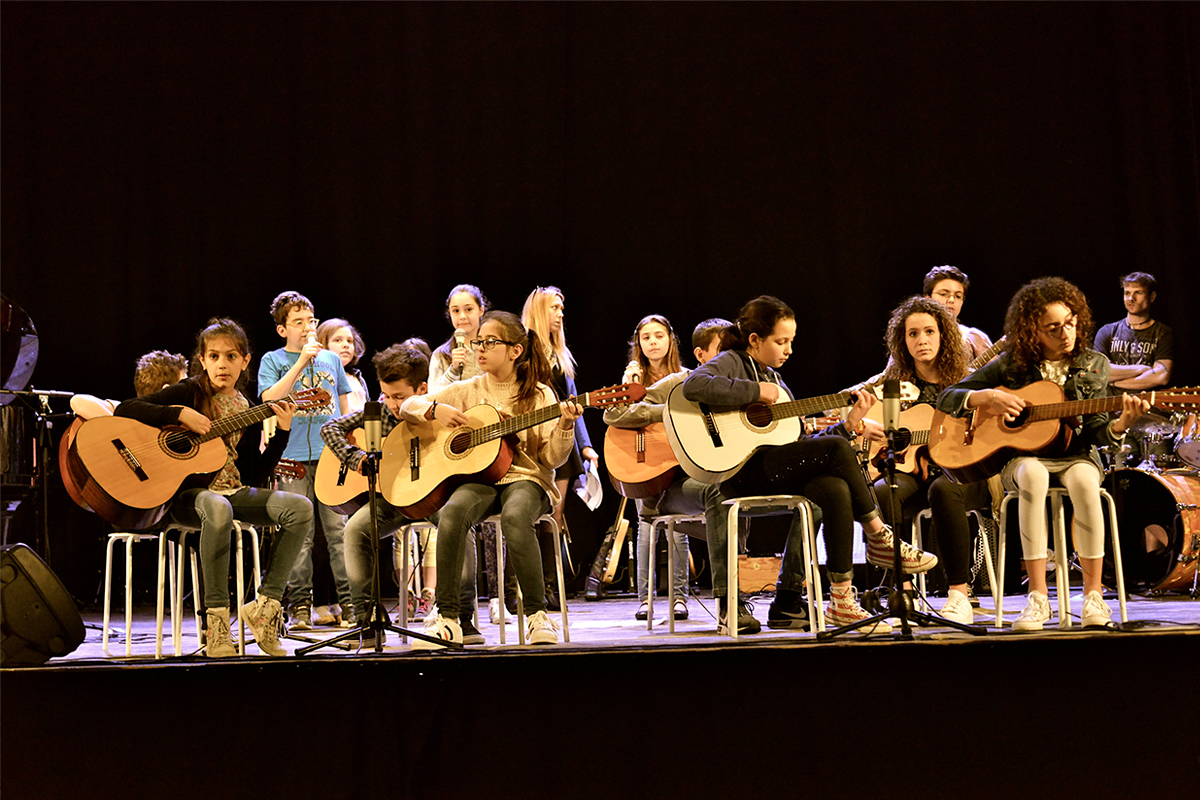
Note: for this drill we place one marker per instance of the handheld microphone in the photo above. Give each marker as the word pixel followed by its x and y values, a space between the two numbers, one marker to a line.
pixel 634 370
pixel 372 426
pixel 891 405
pixel 460 337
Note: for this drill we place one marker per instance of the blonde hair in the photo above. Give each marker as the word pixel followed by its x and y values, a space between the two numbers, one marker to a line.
pixel 536 317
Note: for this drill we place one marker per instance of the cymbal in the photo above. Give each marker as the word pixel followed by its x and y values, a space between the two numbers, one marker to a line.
pixel 1153 425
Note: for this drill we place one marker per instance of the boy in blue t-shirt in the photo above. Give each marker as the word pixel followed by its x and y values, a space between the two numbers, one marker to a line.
pixel 301 364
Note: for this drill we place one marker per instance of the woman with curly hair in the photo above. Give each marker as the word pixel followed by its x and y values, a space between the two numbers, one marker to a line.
pixel 926 348
pixel 1048 334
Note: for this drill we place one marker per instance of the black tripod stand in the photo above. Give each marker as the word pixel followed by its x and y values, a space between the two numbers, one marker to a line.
pixel 900 601
pixel 376 621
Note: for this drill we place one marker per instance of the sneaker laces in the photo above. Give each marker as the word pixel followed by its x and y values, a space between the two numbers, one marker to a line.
pixel 218 631
pixel 271 614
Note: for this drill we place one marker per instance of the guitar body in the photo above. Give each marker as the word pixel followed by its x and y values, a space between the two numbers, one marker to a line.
pixel 127 472
pixel 640 461
pixel 64 464
pixel 970 453
pixel 620 531
pixel 713 444
pixel 352 494
pixel 913 431
pixel 423 464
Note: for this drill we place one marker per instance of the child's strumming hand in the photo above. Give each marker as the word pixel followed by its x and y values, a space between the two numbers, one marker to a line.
pixel 194 421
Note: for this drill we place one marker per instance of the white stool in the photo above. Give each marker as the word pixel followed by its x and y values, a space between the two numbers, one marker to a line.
pixel 403 538
pixel 128 539
pixel 239 530
pixel 1062 576
pixel 562 595
pixel 669 520
pixel 927 513
pixel 812 577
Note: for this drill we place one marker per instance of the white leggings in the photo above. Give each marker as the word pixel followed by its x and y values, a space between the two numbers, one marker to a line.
pixel 1081 478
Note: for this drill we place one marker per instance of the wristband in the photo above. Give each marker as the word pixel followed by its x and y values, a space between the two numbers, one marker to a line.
pixel 432 412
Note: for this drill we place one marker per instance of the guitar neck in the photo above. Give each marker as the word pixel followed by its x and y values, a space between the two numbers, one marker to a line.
pixel 1074 408
pixel 987 355
pixel 242 419
pixel 810 405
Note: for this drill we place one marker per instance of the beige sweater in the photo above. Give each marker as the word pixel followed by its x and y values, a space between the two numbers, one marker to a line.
pixel 540 450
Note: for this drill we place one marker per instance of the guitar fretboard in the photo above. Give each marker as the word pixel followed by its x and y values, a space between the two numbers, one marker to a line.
pixel 243 419
pixel 810 405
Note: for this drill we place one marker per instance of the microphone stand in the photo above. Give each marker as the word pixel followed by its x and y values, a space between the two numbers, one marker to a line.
pixel 900 601
pixel 377 620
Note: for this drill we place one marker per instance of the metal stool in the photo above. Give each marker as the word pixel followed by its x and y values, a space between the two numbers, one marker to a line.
pixel 403 539
pixel 812 577
pixel 1062 575
pixel 927 513
pixel 669 520
pixel 562 595
pixel 128 539
pixel 239 530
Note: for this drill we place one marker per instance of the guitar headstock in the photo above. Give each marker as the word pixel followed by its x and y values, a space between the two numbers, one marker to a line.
pixel 290 470
pixel 316 397
pixel 908 391
pixel 1185 398
pixel 621 394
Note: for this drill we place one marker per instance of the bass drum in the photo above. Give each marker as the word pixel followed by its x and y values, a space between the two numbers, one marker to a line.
pixel 1160 528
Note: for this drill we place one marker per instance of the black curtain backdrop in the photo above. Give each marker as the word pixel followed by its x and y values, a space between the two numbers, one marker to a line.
pixel 164 163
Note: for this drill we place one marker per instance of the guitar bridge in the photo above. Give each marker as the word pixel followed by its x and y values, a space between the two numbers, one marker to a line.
pixel 969 433
pixel 130 460
pixel 414 458
pixel 640 446
pixel 710 425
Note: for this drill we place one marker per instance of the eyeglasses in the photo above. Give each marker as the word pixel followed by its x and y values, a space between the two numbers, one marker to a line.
pixel 487 344
pixel 1058 328
pixel 304 323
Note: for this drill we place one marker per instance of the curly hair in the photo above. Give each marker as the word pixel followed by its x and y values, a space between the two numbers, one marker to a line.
pixel 1026 309
pixel 671 362
pixel 156 368
pixel 951 360
pixel 285 302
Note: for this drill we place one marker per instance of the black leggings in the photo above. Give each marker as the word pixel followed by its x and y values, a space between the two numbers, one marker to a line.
pixel 823 469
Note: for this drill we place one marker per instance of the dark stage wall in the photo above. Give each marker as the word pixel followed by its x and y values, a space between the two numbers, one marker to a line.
pixel 163 163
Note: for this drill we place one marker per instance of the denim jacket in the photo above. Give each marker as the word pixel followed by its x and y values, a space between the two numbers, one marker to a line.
pixel 1087 377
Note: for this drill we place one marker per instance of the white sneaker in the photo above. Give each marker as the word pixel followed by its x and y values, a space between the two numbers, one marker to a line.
pixel 220 640
pixel 494 610
pixel 540 629
pixel 1096 613
pixel 441 628
pixel 1035 614
pixel 958 608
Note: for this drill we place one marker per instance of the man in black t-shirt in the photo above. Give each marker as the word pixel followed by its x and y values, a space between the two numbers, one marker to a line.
pixel 1139 347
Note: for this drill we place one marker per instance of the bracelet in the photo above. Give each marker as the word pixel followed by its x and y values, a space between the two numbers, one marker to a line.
pixel 432 412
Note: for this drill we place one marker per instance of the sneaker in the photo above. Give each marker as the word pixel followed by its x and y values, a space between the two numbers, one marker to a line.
pixel 679 609
pixel 1096 613
pixel 265 617
pixel 1035 614
pixel 323 615
pixel 348 618
pixel 643 611
pixel 301 618
pixel 441 628
pixel 958 608
pixel 789 611
pixel 220 640
pixel 845 610
pixel 540 629
pixel 912 560
pixel 746 622
pixel 470 634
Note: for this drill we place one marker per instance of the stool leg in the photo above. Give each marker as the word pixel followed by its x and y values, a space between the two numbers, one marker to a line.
pixel 562 594
pixel 500 587
pixel 671 574
pixel 1001 544
pixel 107 593
pixel 1062 575
pixel 196 596
pixel 1116 550
pixel 129 595
pixel 239 596
pixel 651 575
pixel 161 587
pixel 403 539
pixel 812 575
pixel 917 543
pixel 732 591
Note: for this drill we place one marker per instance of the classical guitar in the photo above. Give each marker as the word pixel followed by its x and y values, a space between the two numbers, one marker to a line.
pixel 127 471
pixel 640 461
pixel 288 470
pixel 712 444
pixel 911 433
pixel 344 492
pixel 976 446
pixel 986 356
pixel 423 463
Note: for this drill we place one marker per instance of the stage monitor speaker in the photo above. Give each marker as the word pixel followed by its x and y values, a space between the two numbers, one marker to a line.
pixel 39 618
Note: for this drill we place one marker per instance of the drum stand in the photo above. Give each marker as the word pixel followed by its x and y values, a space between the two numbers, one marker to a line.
pixel 376 621
pixel 900 601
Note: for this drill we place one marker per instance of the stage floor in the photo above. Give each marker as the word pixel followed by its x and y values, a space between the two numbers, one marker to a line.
pixel 610 623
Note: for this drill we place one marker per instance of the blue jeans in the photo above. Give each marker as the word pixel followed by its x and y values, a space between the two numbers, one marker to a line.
pixel 520 504
pixel 683 497
pixel 300 582
pixel 360 554
pixel 214 513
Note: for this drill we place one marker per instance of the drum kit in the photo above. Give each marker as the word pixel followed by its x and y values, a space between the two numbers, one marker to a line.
pixel 1155 482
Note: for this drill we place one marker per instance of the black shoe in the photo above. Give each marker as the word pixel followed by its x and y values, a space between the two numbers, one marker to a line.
pixel 471 634
pixel 789 611
pixel 552 603
pixel 643 611
pixel 746 623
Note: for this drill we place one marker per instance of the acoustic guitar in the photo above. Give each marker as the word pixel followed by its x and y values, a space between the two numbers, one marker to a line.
pixel 128 472
pixel 976 446
pixel 912 431
pixel 640 461
pixel 424 463
pixel 712 444
pixel 351 494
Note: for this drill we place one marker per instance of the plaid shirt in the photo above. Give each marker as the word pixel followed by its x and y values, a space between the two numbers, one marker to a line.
pixel 336 433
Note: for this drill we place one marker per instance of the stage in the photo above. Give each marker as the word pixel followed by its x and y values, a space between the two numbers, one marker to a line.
pixel 622 712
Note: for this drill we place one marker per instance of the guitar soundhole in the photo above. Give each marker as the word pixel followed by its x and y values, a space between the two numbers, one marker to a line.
pixel 460 443
pixel 1019 422
pixel 759 415
pixel 176 442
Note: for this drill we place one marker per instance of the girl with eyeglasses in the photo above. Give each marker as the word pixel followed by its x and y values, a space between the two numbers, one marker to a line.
pixel 513 378
pixel 1048 335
